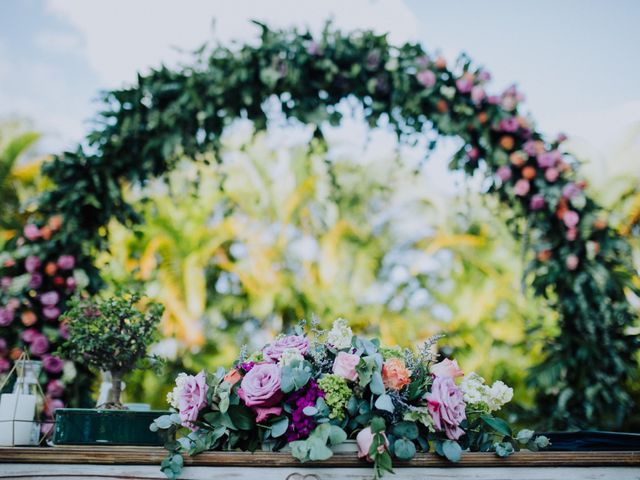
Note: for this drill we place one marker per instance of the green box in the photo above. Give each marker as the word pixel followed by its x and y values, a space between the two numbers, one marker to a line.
pixel 89 426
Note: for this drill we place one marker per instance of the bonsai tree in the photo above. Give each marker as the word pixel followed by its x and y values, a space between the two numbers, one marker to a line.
pixel 110 334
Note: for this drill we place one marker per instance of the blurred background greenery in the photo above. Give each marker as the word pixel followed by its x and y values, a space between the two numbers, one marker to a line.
pixel 372 240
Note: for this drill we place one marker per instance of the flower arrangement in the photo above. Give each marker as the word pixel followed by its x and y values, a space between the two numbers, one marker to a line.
pixel 310 391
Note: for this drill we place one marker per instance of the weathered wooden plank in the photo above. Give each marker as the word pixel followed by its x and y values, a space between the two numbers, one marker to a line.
pixel 103 455
pixel 148 472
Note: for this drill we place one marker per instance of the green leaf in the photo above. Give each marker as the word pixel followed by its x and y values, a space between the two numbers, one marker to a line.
pixel 452 450
pixel 319 452
pixel 405 429
pixel 504 449
pixel 337 435
pixel 524 436
pixel 300 449
pixel 377 425
pixel 279 427
pixel 242 417
pixel 497 424
pixel 376 385
pixel 404 449
pixel 384 403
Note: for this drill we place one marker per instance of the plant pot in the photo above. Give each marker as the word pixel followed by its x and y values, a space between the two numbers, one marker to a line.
pixel 90 426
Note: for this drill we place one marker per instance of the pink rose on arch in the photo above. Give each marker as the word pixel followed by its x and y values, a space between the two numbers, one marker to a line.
pixel 29 334
pixel 55 388
pixel 427 78
pixel 273 352
pixel 364 439
pixel 51 313
pixel 4 365
pixel 6 316
pixel 31 232
pixel 5 282
pixel 52 364
pixel 447 368
pixel 260 390
pixel 66 262
pixel 521 187
pixel 345 365
pixel 32 263
pixel 571 219
pixel 39 345
pixel 35 281
pixel 191 397
pixel 447 408
pixel 49 299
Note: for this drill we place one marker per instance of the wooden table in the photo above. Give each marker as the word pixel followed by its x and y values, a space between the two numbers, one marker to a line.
pixel 118 463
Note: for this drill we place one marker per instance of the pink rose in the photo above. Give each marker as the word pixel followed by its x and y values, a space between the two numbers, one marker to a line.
pixel 6 316
pixel 66 262
pixel 446 405
pixel 31 232
pixel 260 390
pixel 55 388
pixel 191 397
pixel 52 364
pixel 5 282
pixel 345 365
pixel 274 351
pixel 4 365
pixel 29 334
pixel 35 281
pixel 49 299
pixel 32 263
pixel 551 174
pixel 447 368
pixel 571 219
pixel 504 173
pixel 39 345
pixel 427 78
pixel 364 439
pixel 572 261
pixel 521 187
pixel 477 94
pixel 51 313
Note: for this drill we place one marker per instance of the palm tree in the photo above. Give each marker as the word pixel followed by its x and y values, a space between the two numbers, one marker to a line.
pixel 18 176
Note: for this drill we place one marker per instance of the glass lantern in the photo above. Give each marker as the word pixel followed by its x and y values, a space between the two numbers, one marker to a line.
pixel 18 425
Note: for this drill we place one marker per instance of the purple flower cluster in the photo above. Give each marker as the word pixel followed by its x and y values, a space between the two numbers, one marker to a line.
pixel 301 425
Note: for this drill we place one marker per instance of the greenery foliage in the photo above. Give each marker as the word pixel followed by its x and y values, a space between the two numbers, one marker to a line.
pixel 581 266
pixel 110 334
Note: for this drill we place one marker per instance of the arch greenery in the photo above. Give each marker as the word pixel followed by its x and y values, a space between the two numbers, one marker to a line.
pixel 577 262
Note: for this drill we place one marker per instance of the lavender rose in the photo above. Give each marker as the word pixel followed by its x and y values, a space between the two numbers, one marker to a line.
pixel 273 353
pixel 6 316
pixel 39 345
pixel 52 364
pixel 32 263
pixel 260 390
pixel 66 262
pixel 447 408
pixel 49 299
pixel 189 396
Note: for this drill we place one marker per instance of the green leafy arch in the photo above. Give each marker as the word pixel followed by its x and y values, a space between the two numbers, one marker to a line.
pixel 578 263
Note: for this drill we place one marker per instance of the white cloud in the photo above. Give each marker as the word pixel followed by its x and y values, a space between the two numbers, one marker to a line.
pixel 57 41
pixel 121 37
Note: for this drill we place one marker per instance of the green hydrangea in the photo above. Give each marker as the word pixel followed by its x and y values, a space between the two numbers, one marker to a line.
pixel 337 394
pixel 391 352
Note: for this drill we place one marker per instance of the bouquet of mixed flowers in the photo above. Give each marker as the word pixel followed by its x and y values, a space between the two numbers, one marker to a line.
pixel 311 391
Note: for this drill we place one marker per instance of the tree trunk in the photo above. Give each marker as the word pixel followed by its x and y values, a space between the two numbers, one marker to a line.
pixel 116 389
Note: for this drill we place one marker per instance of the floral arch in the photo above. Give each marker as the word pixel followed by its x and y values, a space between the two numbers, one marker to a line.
pixel 578 263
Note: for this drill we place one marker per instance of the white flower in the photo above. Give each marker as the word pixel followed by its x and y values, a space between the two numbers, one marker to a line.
pixel 340 335
pixel 69 372
pixel 289 356
pixel 173 397
pixel 499 395
pixel 484 396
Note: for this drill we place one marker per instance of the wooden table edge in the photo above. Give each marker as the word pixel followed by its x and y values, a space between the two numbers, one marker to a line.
pixel 110 455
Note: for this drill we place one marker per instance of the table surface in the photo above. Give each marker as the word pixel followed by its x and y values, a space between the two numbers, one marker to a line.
pixel 126 455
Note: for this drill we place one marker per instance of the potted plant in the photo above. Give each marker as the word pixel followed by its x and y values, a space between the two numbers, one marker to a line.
pixel 112 335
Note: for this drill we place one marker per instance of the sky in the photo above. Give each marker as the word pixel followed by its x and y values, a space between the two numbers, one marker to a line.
pixel 575 60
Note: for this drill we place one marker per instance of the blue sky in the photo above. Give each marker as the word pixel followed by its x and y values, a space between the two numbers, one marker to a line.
pixel 575 60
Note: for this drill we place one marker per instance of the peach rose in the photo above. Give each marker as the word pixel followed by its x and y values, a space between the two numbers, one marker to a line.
pixel 233 376
pixel 447 368
pixel 395 374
